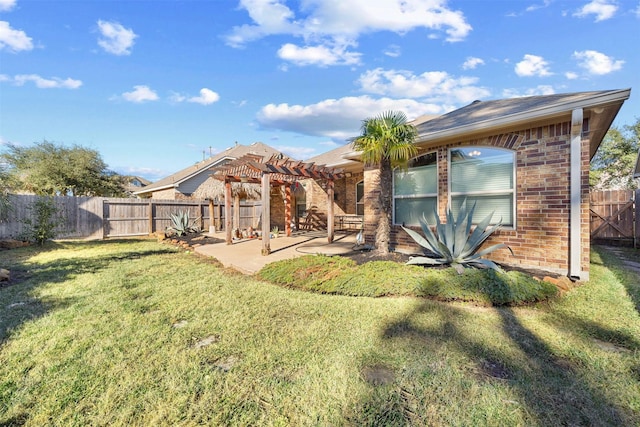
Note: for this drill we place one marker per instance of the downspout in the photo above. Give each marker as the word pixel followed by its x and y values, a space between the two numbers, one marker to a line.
pixel 575 243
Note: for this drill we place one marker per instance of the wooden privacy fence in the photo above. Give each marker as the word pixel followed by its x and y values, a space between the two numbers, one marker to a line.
pixel 99 217
pixel 614 217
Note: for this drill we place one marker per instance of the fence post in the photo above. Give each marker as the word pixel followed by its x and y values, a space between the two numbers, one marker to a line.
pixel 150 213
pixel 105 218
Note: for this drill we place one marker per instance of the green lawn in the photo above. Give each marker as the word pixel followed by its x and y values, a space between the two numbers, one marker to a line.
pixel 137 333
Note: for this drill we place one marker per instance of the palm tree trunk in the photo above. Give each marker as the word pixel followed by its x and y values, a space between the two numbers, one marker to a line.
pixel 383 231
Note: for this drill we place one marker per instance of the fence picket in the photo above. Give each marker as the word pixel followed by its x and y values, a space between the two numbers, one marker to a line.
pixel 100 217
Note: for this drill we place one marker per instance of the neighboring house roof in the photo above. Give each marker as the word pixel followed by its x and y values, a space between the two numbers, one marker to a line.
pixel 486 117
pixel 636 172
pixel 335 158
pixel 135 183
pixel 239 150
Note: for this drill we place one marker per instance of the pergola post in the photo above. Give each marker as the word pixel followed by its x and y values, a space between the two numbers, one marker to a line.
pixel 266 214
pixel 212 221
pixel 236 211
pixel 227 211
pixel 330 215
pixel 287 210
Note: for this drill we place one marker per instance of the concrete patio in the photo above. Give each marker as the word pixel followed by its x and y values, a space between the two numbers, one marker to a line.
pixel 245 255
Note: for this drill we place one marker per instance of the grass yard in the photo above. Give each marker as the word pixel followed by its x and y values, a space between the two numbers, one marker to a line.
pixel 136 333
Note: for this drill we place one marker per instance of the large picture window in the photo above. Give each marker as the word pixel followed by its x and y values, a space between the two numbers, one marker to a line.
pixel 415 191
pixel 484 176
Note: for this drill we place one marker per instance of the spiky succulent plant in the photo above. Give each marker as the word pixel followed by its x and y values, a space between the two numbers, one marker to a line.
pixel 454 243
pixel 181 224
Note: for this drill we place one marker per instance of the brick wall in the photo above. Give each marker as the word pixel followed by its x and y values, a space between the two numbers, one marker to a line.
pixel 277 208
pixel 542 233
pixel 168 194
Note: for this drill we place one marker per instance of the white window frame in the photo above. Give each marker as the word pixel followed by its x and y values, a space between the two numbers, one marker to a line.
pixel 511 192
pixel 357 202
pixel 413 196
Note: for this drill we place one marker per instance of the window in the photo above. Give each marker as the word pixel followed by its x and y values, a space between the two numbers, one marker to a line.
pixel 484 176
pixel 360 198
pixel 415 191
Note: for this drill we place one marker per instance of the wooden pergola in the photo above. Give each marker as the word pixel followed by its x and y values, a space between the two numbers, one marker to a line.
pixel 276 171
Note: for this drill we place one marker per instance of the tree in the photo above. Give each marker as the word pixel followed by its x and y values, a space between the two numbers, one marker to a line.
pixel 612 166
pixel 49 169
pixel 5 186
pixel 386 141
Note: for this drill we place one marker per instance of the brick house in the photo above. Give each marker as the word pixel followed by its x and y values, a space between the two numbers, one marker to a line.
pixel 526 158
pixel 182 184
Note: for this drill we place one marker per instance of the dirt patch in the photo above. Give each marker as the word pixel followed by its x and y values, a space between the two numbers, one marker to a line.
pixel 188 241
pixel 378 375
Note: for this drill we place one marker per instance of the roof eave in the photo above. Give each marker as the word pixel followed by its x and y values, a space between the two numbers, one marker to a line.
pixel 151 190
pixel 533 115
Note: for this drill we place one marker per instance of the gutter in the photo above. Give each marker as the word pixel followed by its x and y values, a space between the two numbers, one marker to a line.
pixel 575 238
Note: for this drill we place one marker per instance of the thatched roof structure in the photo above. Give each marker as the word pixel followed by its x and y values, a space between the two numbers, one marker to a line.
pixel 212 188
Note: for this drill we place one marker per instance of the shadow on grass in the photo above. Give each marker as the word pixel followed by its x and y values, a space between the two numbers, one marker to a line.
pixel 17 301
pixel 546 389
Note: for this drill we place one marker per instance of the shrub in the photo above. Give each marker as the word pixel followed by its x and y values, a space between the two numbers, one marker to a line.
pixel 342 276
pixel 487 287
pixel 43 222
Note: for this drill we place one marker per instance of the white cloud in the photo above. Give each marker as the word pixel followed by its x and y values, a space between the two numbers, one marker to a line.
pixel 115 38
pixel 538 90
pixel 637 11
pixel 571 75
pixel 206 97
pixel 43 83
pixel 296 152
pixel 535 7
pixel 318 55
pixel 602 9
pixel 13 40
pixel 148 173
pixel 472 63
pixel 338 119
pixel 7 5
pixel 596 62
pixel 433 86
pixel 532 65
pixel 393 51
pixel 140 93
pixel 328 27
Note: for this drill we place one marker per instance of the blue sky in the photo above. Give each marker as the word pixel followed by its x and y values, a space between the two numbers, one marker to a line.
pixel 156 85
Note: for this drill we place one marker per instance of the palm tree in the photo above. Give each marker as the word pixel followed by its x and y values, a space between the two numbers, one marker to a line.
pixel 386 141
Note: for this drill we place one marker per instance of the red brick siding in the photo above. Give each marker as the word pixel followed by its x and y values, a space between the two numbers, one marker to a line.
pixel 541 236
pixel 344 190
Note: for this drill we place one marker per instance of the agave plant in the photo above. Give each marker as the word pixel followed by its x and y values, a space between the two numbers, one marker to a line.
pixel 181 224
pixel 454 243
